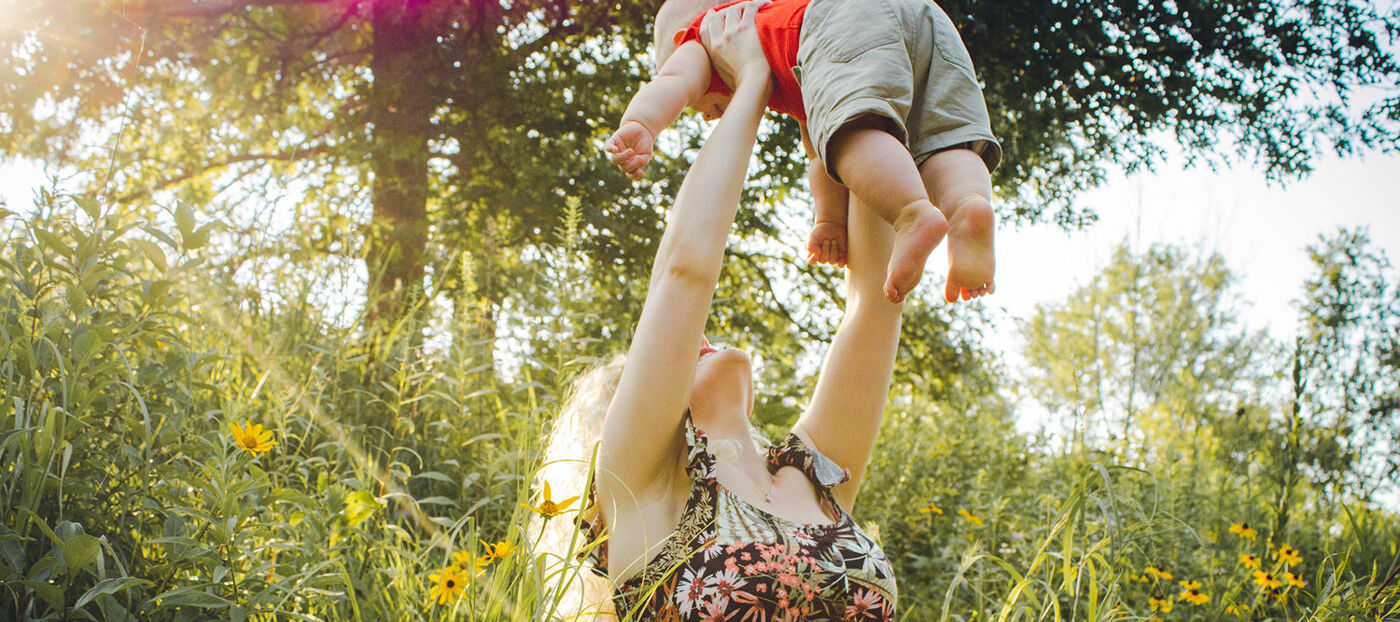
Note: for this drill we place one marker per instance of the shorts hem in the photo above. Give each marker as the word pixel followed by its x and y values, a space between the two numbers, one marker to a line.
pixel 960 137
pixel 851 110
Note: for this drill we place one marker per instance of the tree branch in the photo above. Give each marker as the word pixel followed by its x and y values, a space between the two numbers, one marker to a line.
pixel 225 163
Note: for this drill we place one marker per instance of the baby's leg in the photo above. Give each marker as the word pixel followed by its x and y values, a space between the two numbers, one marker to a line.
pixel 878 169
pixel 958 181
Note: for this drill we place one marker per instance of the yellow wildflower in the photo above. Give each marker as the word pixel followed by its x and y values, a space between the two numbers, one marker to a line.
pixel 1288 555
pixel 252 439
pixel 1132 576
pixel 1160 604
pixel 1249 561
pixel 1159 573
pixel 1236 610
pixel 1189 585
pixel 465 559
pixel 931 509
pixel 500 549
pixel 1244 531
pixel 1279 595
pixel 971 518
pixel 446 585
pixel 1266 580
pixel 1194 597
pixel 549 508
pixel 1293 579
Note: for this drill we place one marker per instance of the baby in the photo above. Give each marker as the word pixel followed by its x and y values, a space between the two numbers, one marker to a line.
pixel 889 109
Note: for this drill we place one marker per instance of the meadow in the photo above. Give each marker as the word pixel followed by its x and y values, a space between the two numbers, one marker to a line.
pixel 179 446
pixel 286 324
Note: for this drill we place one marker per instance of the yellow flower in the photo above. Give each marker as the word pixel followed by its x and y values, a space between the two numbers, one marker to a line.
pixel 1279 595
pixel 1189 585
pixel 1249 561
pixel 931 509
pixel 1159 573
pixel 252 439
pixel 1293 580
pixel 446 585
pixel 464 559
pixel 1237 610
pixel 1194 597
pixel 1160 604
pixel 1288 555
pixel 1266 580
pixel 1244 530
pixel 1211 535
pixel 498 550
pixel 1137 577
pixel 549 508
pixel 971 518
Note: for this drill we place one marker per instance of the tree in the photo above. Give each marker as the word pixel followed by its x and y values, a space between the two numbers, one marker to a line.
pixel 453 131
pixel 1152 334
pixel 1347 376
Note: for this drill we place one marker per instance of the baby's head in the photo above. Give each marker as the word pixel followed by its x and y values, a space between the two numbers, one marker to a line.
pixel 673 17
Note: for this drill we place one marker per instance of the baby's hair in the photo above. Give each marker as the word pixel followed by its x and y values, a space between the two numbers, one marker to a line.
pixel 675 16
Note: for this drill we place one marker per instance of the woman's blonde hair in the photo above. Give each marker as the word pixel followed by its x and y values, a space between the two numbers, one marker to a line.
pixel 577 591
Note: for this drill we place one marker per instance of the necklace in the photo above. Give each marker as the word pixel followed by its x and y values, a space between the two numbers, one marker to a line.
pixel 728 450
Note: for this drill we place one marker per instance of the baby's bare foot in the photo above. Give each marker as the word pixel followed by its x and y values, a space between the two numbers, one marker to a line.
pixel 971 262
pixel 917 231
pixel 827 244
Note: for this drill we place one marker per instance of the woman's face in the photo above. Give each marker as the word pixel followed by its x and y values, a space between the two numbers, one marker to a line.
pixel 722 374
pixel 711 106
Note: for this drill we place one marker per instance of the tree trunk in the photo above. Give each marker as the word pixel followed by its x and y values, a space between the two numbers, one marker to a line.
pixel 401 106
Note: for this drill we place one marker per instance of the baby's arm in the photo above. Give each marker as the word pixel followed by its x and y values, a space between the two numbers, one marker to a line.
pixel 827 243
pixel 682 80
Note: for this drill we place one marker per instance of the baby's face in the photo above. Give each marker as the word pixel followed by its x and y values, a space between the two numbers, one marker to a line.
pixel 711 106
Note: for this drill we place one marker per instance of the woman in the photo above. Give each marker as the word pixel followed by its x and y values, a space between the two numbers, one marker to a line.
pixel 699 523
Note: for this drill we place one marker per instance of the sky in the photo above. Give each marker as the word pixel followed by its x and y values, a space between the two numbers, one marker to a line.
pixel 1262 230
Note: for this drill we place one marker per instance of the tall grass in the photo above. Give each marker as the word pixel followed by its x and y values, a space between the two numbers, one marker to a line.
pixel 124 359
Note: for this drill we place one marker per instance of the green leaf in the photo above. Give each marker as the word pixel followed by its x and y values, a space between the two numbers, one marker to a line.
pixel 50 593
pixel 79 551
pixel 53 242
pixel 153 252
pixel 434 475
pixel 184 220
pixel 109 586
pixel 11 550
pixel 192 596
pixel 199 237
pixel 43 526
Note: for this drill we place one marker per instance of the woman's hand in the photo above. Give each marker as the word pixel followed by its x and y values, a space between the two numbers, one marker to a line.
pixel 731 39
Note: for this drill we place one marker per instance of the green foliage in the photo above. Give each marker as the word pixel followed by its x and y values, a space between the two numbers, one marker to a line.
pixel 391 462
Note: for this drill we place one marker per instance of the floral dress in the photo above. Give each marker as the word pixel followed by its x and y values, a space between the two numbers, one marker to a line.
pixel 730 560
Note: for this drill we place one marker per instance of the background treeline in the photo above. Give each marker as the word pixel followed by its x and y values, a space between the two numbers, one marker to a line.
pixel 382 231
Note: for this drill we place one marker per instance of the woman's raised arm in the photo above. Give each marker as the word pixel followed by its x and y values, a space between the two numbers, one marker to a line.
pixel 642 434
pixel 843 417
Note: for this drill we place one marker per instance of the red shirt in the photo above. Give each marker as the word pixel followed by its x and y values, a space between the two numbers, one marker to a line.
pixel 779 26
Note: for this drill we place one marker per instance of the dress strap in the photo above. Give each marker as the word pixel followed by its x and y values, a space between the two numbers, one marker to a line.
pixel 793 451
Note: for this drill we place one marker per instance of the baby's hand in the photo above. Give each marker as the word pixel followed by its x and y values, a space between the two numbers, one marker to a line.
pixel 827 244
pixel 630 148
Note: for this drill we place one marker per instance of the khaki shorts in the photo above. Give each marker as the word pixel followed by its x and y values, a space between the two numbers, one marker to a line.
pixel 898 59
